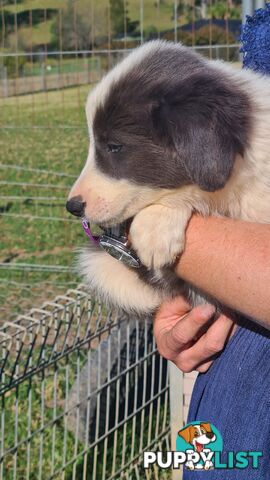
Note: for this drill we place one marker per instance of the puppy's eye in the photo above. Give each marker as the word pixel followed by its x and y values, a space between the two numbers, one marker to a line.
pixel 114 148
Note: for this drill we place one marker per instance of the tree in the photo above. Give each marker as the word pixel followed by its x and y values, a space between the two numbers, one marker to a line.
pixel 224 11
pixel 192 11
pixel 121 23
pixel 10 3
pixel 151 32
pixel 75 30
pixel 117 16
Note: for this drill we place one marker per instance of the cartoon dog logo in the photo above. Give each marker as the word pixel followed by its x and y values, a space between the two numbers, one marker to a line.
pixel 198 435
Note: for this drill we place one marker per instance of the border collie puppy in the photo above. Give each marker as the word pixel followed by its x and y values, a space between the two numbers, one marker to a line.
pixel 170 133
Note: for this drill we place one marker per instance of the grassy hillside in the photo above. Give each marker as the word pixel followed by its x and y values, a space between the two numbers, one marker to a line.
pixel 82 6
pixel 160 17
pixel 96 21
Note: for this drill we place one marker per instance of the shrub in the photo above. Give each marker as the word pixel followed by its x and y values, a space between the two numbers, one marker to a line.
pixel 219 36
pixel 14 65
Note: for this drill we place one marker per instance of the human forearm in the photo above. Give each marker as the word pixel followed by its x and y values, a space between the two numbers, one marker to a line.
pixel 230 260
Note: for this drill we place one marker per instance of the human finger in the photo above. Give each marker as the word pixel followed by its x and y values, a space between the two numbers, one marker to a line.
pixel 172 341
pixel 212 342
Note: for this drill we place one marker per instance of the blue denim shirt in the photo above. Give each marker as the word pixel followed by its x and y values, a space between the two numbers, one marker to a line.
pixel 234 395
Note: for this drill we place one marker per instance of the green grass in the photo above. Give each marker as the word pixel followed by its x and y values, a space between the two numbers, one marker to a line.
pixel 17 402
pixel 45 131
pixel 24 414
pixel 161 18
pixel 42 131
pixel 67 65
pixel 40 34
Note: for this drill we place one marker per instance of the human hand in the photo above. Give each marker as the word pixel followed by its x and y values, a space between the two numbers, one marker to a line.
pixel 190 338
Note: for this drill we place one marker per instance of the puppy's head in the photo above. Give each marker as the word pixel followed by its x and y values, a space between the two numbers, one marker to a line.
pixel 198 435
pixel 162 119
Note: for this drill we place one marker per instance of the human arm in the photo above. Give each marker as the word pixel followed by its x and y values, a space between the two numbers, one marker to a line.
pixel 230 260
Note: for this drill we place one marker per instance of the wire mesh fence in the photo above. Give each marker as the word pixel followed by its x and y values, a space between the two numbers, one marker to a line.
pixel 52 46
pixel 51 53
pixel 86 72
pixel 83 393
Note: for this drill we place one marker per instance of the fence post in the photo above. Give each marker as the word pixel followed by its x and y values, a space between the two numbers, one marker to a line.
pixel 247 9
pixel 85 66
pixel 5 82
pixel 176 408
pixel 259 4
pixel 43 77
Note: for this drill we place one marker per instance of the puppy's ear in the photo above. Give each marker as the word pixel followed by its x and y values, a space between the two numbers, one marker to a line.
pixel 206 426
pixel 206 123
pixel 187 433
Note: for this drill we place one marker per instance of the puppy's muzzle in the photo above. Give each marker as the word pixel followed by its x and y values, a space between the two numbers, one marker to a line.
pixel 76 206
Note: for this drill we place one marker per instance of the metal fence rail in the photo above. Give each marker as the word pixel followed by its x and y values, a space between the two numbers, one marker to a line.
pixel 83 392
pixel 51 55
pixel 88 73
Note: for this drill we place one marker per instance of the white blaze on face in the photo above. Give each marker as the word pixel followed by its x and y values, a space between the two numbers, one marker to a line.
pixel 108 199
pixel 100 193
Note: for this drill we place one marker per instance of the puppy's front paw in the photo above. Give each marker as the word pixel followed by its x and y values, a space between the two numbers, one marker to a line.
pixel 158 235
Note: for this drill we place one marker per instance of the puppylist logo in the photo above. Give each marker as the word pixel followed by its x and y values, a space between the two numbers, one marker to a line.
pixel 199 446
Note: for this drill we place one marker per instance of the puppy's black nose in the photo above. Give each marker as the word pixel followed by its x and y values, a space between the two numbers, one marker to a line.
pixel 76 206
